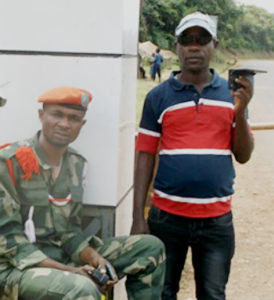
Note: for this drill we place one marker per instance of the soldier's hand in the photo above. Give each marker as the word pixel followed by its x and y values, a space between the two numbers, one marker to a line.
pixel 95 260
pixel 106 268
pixel 91 257
pixel 112 275
pixel 139 226
pixel 85 270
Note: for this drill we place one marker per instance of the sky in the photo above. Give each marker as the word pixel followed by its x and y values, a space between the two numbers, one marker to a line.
pixel 266 4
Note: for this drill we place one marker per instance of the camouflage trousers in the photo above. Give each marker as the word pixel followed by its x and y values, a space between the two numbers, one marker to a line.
pixel 139 257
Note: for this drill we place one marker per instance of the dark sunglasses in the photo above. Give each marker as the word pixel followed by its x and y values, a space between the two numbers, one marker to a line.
pixel 201 39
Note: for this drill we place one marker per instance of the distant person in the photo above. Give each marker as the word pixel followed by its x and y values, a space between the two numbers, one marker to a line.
pixel 44 253
pixel 151 61
pixel 194 123
pixel 156 67
pixel 142 71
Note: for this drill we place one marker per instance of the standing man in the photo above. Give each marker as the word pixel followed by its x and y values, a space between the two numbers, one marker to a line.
pixel 44 254
pixel 152 68
pixel 156 66
pixel 194 123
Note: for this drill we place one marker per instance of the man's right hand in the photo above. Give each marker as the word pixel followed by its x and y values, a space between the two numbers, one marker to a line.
pixel 139 227
pixel 143 176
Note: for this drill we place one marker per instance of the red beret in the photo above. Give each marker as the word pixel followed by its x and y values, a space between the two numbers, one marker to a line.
pixel 68 96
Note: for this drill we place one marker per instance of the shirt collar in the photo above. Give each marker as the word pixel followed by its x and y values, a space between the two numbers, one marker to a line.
pixel 39 151
pixel 179 85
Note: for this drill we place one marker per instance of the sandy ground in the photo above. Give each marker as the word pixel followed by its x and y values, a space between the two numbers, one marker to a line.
pixel 252 274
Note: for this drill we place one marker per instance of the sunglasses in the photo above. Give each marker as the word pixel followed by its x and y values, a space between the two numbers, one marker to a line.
pixel 201 39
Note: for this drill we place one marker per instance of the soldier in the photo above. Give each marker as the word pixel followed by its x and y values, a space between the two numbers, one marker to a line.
pixel 44 254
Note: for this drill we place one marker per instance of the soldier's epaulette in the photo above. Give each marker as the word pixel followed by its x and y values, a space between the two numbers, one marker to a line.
pixel 75 152
pixel 25 156
pixel 7 151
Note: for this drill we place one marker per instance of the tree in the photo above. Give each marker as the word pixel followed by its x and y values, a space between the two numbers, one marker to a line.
pixel 238 26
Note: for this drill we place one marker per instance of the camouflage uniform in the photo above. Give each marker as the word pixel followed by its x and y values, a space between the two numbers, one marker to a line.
pixel 57 220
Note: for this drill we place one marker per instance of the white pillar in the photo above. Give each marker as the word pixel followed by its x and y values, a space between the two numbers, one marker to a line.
pixel 84 43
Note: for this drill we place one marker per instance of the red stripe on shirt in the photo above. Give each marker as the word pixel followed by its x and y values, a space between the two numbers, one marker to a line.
pixel 204 127
pixel 147 143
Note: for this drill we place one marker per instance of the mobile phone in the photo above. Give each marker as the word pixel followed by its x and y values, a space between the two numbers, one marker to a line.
pixel 235 73
pixel 110 272
pixel 99 277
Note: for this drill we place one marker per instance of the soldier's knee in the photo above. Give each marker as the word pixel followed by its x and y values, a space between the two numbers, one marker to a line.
pixel 87 289
pixel 153 244
pixel 55 284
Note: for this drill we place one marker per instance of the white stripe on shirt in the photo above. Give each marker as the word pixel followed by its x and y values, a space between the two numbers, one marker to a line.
pixel 174 107
pixel 195 151
pixel 216 103
pixel 192 103
pixel 192 200
pixel 149 132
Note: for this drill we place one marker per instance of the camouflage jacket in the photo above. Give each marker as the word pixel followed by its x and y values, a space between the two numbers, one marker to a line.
pixel 56 205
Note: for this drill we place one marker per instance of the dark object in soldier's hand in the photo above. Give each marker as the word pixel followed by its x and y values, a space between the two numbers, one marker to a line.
pixel 98 277
pixel 102 278
pixel 110 272
pixel 235 73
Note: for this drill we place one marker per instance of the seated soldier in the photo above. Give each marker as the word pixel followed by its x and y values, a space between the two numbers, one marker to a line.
pixel 44 254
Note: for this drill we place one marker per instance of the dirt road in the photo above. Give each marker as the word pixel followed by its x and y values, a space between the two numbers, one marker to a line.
pixel 252 274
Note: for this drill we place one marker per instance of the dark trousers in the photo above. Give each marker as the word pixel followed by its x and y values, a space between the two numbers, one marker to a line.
pixel 212 244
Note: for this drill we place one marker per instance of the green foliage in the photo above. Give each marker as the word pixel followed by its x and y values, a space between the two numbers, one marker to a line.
pixel 159 19
pixel 257 29
pixel 239 27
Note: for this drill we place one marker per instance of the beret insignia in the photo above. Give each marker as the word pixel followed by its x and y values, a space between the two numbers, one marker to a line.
pixel 85 100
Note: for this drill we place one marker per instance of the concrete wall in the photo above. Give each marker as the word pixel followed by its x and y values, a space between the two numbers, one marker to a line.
pixel 84 43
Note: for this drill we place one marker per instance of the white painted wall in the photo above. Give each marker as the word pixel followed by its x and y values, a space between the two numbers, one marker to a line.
pixel 99 39
pixel 98 26
pixel 106 32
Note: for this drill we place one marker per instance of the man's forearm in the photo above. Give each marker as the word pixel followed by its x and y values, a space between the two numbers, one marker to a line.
pixel 143 176
pixel 53 264
pixel 243 142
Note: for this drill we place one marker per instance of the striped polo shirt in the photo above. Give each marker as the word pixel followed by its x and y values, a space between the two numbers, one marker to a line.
pixel 192 133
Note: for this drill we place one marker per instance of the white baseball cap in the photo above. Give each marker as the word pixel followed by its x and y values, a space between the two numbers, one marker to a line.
pixel 209 23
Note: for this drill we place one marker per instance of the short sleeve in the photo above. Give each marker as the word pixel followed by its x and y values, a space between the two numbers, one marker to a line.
pixel 149 132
